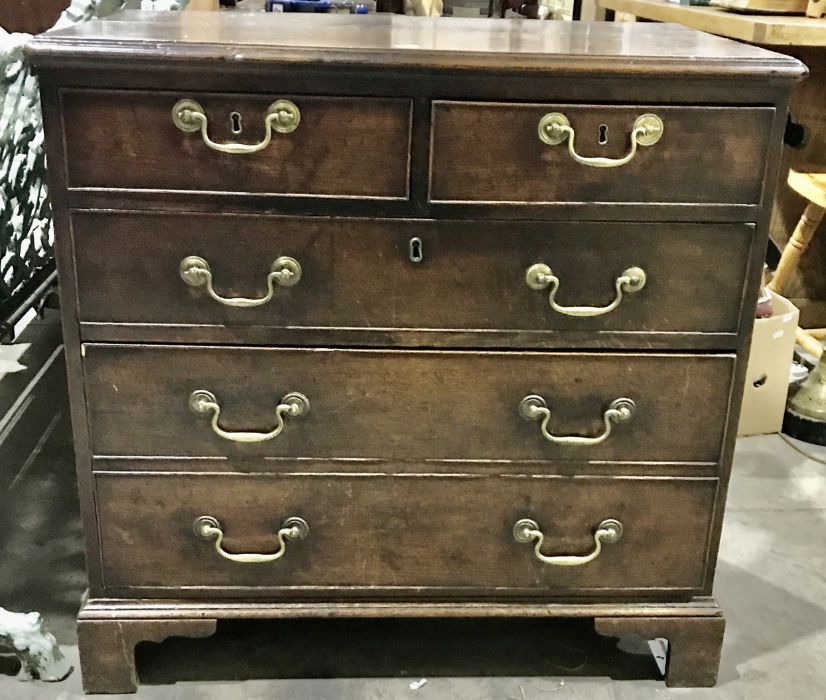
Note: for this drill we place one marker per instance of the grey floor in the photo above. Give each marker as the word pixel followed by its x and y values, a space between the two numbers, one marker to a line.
pixel 771 582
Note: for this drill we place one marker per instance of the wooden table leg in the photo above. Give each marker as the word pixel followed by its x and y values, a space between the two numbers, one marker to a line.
pixel 802 236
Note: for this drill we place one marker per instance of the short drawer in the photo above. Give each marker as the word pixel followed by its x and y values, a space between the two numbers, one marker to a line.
pixel 405 405
pixel 492 152
pixel 426 282
pixel 340 146
pixel 392 535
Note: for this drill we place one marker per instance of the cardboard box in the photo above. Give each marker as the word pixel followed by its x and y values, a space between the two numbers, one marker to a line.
pixel 767 375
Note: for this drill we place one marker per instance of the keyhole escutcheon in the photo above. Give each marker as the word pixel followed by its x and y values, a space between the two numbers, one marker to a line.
pixel 602 138
pixel 415 250
pixel 235 123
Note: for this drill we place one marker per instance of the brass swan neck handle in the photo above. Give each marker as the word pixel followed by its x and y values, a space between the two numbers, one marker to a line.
pixel 540 276
pixel 554 128
pixel 535 408
pixel 209 528
pixel 283 117
pixel 284 271
pixel 292 405
pixel 526 530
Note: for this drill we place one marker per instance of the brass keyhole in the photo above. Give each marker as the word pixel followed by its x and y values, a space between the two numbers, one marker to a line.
pixel 415 250
pixel 602 139
pixel 235 123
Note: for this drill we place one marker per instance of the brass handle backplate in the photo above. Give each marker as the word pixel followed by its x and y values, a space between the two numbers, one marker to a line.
pixel 209 528
pixel 540 276
pixel 282 117
pixel 526 530
pixel 554 128
pixel 293 405
pixel 534 408
pixel 284 271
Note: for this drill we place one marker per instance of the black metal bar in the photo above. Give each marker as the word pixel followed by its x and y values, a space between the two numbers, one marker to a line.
pixel 31 301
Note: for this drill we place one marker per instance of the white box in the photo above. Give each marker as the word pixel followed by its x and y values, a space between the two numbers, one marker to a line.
pixel 767 374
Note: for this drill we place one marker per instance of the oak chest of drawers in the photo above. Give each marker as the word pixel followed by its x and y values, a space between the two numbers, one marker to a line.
pixel 392 316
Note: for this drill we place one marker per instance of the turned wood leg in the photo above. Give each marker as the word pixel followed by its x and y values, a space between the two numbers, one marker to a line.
pixel 802 236
pixel 694 644
pixel 107 648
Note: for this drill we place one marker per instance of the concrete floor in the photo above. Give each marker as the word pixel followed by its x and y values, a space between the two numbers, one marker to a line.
pixel 771 582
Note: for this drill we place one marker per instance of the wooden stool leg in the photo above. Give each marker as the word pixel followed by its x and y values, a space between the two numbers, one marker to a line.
pixel 816 8
pixel 802 236
pixel 808 342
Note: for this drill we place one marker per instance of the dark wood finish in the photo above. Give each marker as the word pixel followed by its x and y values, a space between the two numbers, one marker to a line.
pixel 30 16
pixel 357 278
pixel 71 331
pixel 694 645
pixel 405 406
pixel 179 608
pixel 385 535
pixel 110 628
pixel 427 440
pixel 247 42
pixel 107 648
pixel 696 141
pixel 342 147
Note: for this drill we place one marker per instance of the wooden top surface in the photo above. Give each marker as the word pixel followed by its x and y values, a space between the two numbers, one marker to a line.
pixel 389 40
pixel 768 30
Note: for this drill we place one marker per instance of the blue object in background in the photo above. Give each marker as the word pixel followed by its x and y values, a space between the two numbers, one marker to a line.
pixel 342 6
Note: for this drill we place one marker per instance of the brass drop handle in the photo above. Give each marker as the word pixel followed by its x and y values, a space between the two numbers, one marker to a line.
pixel 534 408
pixel 540 276
pixel 554 128
pixel 209 528
pixel 293 405
pixel 282 116
pixel 284 271
pixel 608 531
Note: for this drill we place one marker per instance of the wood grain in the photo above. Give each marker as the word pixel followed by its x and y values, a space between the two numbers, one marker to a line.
pixel 405 406
pixel 358 280
pixel 237 44
pixel 30 16
pixel 112 608
pixel 412 464
pixel 694 645
pixel 107 648
pixel 120 139
pixel 767 30
pixel 393 535
pixel 473 140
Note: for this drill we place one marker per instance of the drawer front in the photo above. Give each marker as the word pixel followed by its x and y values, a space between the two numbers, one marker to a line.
pixel 491 152
pixel 404 405
pixel 342 147
pixel 357 278
pixel 398 533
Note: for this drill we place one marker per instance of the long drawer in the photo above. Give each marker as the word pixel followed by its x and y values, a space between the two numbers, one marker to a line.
pixel 331 146
pixel 405 405
pixel 408 282
pixel 517 153
pixel 390 535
